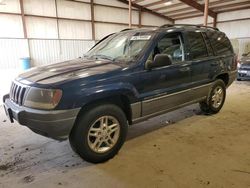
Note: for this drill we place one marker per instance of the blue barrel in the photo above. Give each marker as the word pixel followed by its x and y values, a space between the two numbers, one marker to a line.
pixel 25 63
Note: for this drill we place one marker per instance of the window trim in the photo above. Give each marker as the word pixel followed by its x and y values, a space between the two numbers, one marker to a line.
pixel 190 58
pixel 224 36
pixel 207 43
pixel 180 37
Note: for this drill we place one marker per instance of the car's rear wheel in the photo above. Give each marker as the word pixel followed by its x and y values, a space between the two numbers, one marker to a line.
pixel 215 99
pixel 99 133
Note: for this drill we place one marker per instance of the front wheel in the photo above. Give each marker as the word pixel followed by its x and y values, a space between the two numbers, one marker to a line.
pixel 215 99
pixel 99 133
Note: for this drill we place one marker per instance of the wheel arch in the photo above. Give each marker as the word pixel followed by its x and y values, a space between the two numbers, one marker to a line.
pixel 121 101
pixel 224 77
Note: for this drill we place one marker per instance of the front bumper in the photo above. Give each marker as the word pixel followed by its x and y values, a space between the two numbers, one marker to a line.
pixel 243 76
pixel 55 124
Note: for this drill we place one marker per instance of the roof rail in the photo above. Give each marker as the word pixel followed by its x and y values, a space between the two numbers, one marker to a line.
pixel 127 29
pixel 190 25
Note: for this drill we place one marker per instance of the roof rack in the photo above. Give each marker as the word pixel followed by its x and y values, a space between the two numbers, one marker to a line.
pixel 127 29
pixel 190 25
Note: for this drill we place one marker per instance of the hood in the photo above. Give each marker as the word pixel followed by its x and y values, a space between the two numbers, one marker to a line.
pixel 245 60
pixel 67 70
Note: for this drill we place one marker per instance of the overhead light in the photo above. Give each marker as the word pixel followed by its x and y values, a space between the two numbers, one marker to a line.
pixel 168 3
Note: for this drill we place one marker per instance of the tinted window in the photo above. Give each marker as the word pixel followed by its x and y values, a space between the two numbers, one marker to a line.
pixel 197 46
pixel 220 43
pixel 172 46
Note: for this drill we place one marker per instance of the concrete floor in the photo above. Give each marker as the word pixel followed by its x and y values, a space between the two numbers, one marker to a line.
pixel 180 149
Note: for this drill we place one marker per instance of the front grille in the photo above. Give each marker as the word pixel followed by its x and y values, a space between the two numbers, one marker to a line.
pixel 245 67
pixel 17 93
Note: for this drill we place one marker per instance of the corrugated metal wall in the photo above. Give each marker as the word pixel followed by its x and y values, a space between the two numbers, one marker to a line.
pixel 10 52
pixel 51 51
pixel 41 51
pixel 62 32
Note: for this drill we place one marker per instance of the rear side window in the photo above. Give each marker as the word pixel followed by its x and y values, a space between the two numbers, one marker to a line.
pixel 220 43
pixel 197 46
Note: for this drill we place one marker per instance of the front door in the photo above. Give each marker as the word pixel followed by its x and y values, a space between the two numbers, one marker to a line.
pixel 165 87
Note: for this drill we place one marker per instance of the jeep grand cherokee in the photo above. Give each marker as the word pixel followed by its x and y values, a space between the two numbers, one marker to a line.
pixel 125 78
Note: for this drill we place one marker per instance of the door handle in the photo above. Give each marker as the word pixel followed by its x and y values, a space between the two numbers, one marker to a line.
pixel 184 69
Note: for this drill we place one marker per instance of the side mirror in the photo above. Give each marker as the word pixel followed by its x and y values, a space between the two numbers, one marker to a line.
pixel 160 60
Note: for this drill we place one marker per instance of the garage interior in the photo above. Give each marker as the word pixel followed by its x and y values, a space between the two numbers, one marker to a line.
pixel 183 148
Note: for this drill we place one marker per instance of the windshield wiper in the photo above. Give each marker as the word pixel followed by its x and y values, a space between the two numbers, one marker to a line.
pixel 100 56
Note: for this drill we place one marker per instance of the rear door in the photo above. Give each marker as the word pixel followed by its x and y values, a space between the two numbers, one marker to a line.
pixel 224 55
pixel 201 57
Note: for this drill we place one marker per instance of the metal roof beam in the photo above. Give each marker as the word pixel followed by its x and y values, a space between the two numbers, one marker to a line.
pixel 147 10
pixel 199 7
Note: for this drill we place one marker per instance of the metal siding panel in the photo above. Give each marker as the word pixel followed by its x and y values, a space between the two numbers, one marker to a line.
pixel 70 9
pixel 196 20
pixel 38 7
pixel 233 15
pixel 75 29
pixel 10 6
pixel 44 52
pixel 112 3
pixel 103 30
pixel 11 51
pixel 109 14
pixel 235 29
pixel 41 27
pixel 11 26
pixel 149 19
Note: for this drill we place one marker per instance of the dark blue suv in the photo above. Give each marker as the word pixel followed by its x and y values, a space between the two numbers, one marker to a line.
pixel 127 77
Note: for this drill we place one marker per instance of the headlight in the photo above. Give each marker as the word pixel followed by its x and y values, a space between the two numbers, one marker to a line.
pixel 42 98
pixel 239 65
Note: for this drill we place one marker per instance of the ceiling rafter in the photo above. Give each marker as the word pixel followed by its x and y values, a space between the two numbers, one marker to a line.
pixel 235 5
pixel 187 8
pixel 186 13
pixel 212 4
pixel 156 3
pixel 137 1
pixel 147 10
pixel 169 7
pixel 199 7
pixel 232 5
pixel 234 9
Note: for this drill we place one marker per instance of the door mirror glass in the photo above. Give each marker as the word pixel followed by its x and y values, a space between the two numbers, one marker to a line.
pixel 160 60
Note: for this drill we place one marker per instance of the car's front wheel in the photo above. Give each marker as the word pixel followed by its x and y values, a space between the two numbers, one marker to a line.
pixel 215 99
pixel 99 133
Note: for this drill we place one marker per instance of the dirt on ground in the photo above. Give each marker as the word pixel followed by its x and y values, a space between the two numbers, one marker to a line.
pixel 180 149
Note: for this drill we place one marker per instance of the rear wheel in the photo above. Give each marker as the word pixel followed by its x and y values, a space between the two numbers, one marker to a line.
pixel 99 133
pixel 215 99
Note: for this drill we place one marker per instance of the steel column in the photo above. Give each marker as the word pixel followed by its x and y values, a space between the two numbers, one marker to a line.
pixel 206 12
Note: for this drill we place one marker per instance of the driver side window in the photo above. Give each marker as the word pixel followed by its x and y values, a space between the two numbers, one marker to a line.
pixel 171 45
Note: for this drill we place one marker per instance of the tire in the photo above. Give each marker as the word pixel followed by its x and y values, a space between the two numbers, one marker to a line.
pixel 238 79
pixel 92 134
pixel 214 101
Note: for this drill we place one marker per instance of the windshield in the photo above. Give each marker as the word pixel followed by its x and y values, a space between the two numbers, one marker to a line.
pixel 125 46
